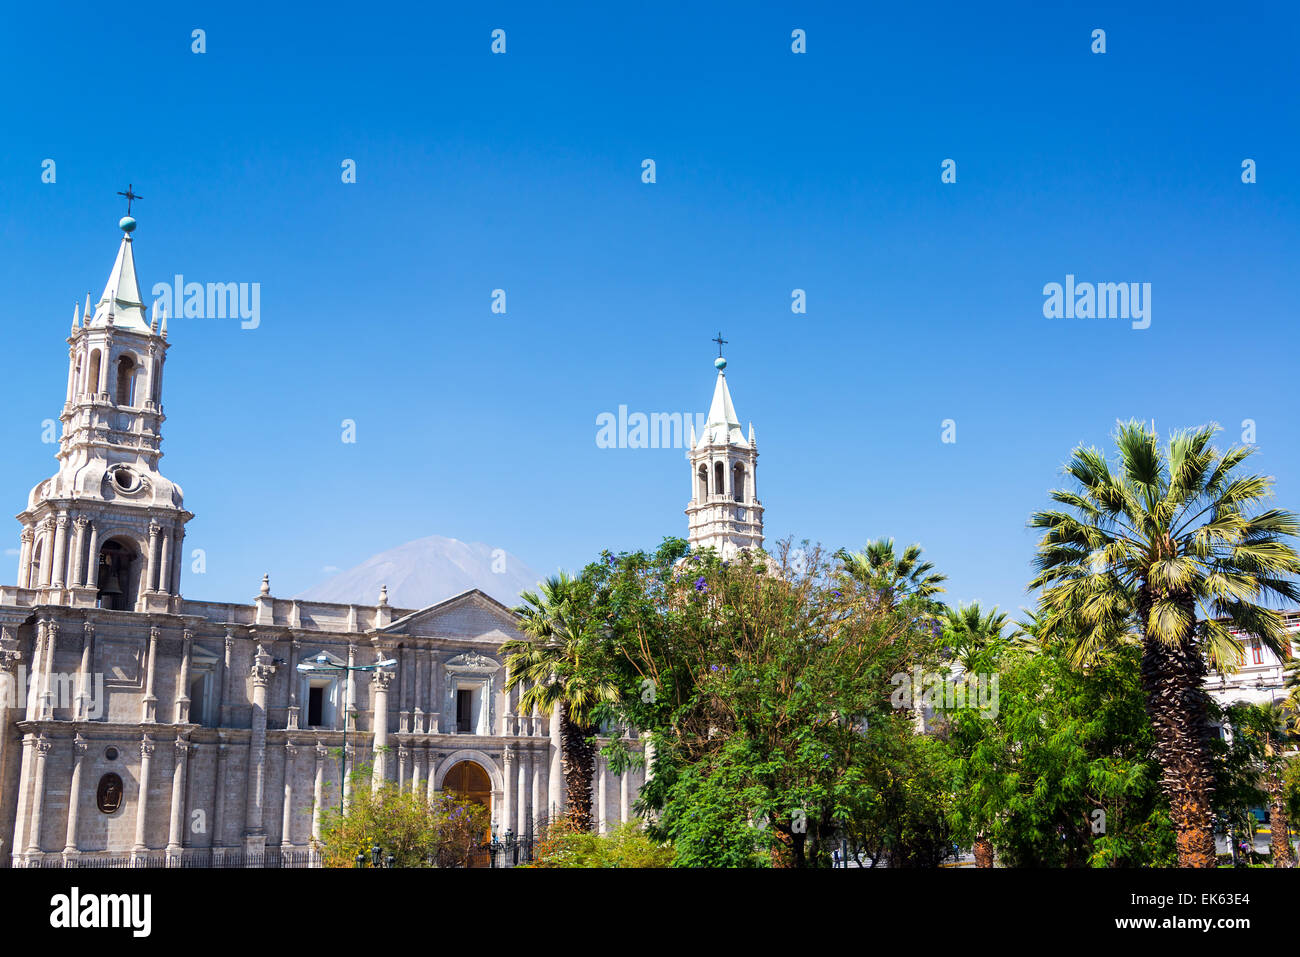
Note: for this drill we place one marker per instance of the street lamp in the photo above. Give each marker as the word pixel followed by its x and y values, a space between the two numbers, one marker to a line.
pixel 323 664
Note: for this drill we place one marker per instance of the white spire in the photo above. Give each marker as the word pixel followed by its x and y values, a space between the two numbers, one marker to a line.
pixel 76 316
pixel 722 428
pixel 153 319
pixel 752 443
pixel 121 299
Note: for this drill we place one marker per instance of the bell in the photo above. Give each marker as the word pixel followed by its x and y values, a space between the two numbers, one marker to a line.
pixel 111 585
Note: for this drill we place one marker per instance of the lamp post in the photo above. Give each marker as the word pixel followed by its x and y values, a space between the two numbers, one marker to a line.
pixel 322 664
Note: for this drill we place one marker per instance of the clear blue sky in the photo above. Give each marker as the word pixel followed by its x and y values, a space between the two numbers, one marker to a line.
pixel 775 171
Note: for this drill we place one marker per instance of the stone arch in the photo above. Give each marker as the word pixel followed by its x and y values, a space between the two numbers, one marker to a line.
pixel 477 757
pixel 738 482
pixel 128 371
pixel 703 477
pixel 92 377
pixel 34 563
pixel 121 565
pixel 719 478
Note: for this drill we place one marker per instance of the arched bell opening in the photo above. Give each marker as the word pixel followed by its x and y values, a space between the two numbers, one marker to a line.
pixel 118 576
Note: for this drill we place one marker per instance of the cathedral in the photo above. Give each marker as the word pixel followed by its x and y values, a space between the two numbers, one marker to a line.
pixel 140 725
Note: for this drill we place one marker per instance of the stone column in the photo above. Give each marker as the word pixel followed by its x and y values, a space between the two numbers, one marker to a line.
pixel 25 559
pixel 625 796
pixel 82 709
pixel 47 551
pixel 420 688
pixel 149 704
pixel 79 552
pixel 47 670
pixel 92 558
pixel 79 748
pixel 539 794
pixel 555 796
pixel 254 829
pixel 295 647
pixel 175 834
pixel 525 764
pixel 60 551
pixel 218 804
pixel 175 571
pixel 350 696
pixel 419 756
pixel 151 582
pixel 349 764
pixel 602 805
pixel 10 657
pixel 648 754
pixel 227 666
pixel 431 786
pixel 379 691
pixel 403 765
pixel 142 805
pixel 286 817
pixel 508 792
pixel 318 790
pixel 183 682
pixel 38 796
pixel 164 560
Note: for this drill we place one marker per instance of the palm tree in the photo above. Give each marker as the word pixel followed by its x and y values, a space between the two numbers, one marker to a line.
pixel 1275 722
pixel 1174 546
pixel 892 575
pixel 554 661
pixel 968 631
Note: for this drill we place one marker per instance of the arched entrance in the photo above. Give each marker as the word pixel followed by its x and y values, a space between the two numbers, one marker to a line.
pixel 469 782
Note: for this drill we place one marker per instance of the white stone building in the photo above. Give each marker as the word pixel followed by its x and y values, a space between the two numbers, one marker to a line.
pixel 135 721
pixel 1260 676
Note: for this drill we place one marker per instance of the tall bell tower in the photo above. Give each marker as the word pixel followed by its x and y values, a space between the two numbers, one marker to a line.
pixel 724 512
pixel 106 530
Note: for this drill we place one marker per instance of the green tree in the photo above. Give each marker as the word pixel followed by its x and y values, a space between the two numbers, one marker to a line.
pixel 1059 773
pixel 625 846
pixel 445 831
pixel 764 682
pixel 1172 545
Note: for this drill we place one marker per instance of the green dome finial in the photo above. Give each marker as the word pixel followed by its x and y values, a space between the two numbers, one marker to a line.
pixel 719 363
pixel 126 224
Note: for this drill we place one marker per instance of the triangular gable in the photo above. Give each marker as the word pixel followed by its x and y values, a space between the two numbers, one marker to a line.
pixel 471 614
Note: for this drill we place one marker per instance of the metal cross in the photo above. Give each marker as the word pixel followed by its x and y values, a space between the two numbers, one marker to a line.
pixel 720 341
pixel 133 196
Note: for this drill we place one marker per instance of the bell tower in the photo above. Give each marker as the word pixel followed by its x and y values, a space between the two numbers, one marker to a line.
pixel 106 530
pixel 724 512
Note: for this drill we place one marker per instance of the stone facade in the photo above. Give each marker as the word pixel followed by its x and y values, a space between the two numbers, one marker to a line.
pixel 136 721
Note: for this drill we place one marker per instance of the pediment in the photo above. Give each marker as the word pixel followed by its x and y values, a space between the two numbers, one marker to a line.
pixel 470 615
pixel 472 663
pixel 333 660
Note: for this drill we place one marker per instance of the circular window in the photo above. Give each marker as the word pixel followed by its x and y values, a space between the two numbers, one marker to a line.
pixel 111 754
pixel 108 797
pixel 126 480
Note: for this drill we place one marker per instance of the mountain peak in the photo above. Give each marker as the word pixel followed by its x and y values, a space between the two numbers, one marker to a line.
pixel 426 571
